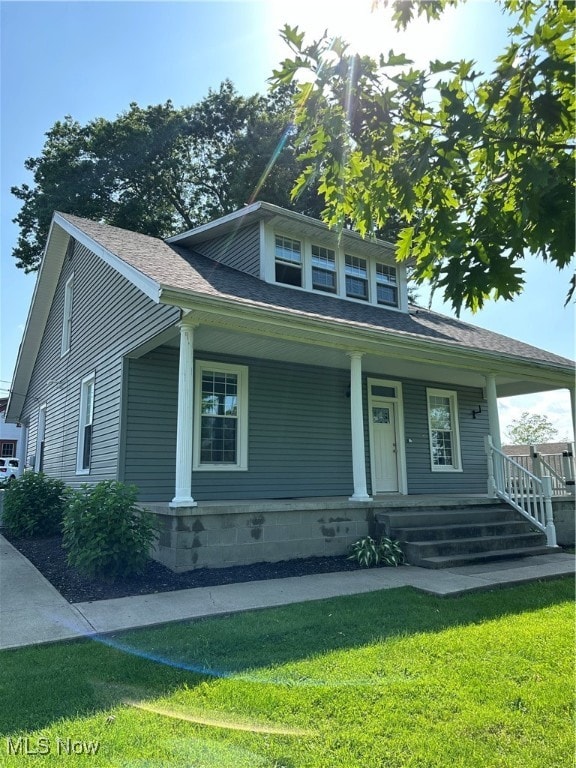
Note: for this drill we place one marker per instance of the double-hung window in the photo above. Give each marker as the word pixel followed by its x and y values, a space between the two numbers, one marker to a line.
pixel 323 269
pixel 444 431
pixel 386 285
pixel 288 253
pixel 85 423
pixel 221 419
pixel 356 270
pixel 7 448
pixel 67 317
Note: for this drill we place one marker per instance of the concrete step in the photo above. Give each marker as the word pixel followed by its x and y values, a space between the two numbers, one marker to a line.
pixel 419 517
pixel 416 551
pixel 462 531
pixel 454 561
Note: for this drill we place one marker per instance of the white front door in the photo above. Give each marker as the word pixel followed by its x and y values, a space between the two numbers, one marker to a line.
pixel 384 448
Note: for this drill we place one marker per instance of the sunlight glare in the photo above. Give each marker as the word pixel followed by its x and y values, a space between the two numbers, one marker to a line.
pixel 218 722
pixel 368 32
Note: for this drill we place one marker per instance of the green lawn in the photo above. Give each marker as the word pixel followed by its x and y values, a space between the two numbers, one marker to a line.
pixel 382 680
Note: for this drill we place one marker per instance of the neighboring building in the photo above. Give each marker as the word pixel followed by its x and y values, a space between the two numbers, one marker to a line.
pixel 258 357
pixel 547 449
pixel 12 436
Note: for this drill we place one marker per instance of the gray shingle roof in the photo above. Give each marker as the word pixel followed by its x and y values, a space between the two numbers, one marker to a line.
pixel 178 269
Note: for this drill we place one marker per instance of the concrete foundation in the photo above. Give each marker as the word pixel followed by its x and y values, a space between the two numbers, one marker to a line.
pixel 216 536
pixel 221 534
pixel 565 521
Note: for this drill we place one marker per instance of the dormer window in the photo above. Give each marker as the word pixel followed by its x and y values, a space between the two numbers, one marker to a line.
pixel 356 270
pixel 319 263
pixel 323 269
pixel 386 285
pixel 288 261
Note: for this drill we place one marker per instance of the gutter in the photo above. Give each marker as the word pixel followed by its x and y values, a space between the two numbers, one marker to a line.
pixel 349 340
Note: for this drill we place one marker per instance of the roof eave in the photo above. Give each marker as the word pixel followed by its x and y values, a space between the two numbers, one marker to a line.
pixel 43 295
pixel 142 281
pixel 555 375
pixel 34 327
pixel 257 211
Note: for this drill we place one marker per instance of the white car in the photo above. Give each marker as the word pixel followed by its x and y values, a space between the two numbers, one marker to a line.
pixel 10 468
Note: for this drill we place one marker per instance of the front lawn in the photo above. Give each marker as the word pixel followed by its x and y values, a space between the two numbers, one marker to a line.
pixel 392 679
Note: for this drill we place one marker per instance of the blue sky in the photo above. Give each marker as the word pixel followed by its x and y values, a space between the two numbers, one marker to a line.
pixel 91 59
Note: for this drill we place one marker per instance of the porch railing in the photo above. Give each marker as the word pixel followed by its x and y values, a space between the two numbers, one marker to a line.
pixel 560 467
pixel 528 494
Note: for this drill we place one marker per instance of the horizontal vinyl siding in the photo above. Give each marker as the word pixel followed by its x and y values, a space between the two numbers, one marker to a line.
pixel 299 434
pixel 298 442
pixel 240 249
pixel 150 432
pixel 109 318
pixel 421 478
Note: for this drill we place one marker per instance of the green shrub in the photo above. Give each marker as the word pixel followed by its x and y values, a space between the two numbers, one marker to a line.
pixel 369 553
pixel 105 532
pixel 34 505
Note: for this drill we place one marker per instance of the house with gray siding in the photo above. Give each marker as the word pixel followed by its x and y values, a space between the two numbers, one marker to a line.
pixel 261 379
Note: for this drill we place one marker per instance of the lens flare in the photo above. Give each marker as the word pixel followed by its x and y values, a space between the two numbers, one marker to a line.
pixel 214 722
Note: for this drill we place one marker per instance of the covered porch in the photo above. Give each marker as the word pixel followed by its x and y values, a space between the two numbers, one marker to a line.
pixel 334 425
pixel 369 378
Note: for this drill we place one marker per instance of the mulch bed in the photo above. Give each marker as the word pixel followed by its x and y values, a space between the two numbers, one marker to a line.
pixel 50 559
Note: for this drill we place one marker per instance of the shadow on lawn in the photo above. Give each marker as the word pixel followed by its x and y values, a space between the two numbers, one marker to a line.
pixel 43 684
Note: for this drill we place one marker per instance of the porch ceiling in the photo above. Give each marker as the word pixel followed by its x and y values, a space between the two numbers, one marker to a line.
pixel 387 361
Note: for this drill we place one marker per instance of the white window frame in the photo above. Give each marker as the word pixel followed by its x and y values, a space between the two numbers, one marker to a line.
pixel 322 262
pixel 67 316
pixel 395 286
pixel 241 371
pixel 268 234
pixel 280 261
pixel 452 397
pixel 85 419
pixel 350 274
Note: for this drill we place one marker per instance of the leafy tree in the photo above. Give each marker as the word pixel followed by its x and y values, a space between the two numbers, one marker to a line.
pixel 478 168
pixel 161 169
pixel 531 429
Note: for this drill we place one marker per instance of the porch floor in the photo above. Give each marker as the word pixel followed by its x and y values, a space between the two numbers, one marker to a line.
pixel 320 503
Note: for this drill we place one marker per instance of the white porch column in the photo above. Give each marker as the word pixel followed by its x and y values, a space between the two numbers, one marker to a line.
pixel 573 409
pixel 493 418
pixel 357 417
pixel 184 428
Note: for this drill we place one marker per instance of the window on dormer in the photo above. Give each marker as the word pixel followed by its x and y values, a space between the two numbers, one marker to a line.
pixel 386 285
pixel 356 270
pixel 323 269
pixel 288 261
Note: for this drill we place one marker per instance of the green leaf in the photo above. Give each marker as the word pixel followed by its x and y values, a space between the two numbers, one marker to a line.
pixel 292 36
pixel 404 243
pixel 441 66
pixel 395 60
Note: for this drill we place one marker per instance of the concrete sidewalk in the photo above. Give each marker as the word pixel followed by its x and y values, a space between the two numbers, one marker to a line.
pixel 32 611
